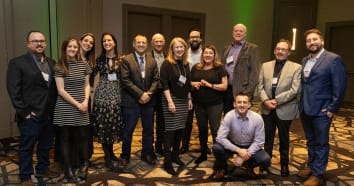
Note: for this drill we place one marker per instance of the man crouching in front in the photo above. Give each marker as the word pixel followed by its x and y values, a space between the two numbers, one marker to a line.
pixel 241 132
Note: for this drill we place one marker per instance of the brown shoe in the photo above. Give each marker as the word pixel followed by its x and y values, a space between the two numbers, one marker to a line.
pixel 219 175
pixel 312 181
pixel 305 173
pixel 27 183
pixel 48 174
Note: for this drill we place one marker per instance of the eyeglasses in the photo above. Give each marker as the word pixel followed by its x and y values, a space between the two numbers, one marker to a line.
pixel 281 49
pixel 37 41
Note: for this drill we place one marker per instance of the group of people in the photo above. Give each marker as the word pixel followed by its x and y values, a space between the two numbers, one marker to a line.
pixel 190 79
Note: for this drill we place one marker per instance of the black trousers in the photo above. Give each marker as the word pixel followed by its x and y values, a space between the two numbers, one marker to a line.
pixel 159 122
pixel 271 122
pixel 188 129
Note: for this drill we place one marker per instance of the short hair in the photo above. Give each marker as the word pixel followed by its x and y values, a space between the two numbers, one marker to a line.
pixel 242 93
pixel 195 29
pixel 156 35
pixel 33 31
pixel 313 30
pixel 282 40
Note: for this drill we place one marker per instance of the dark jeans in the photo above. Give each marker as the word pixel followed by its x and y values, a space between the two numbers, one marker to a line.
pixel 207 115
pixel 188 129
pixel 73 138
pixel 260 158
pixel 271 122
pixel 316 129
pixel 130 117
pixel 32 132
pixel 160 121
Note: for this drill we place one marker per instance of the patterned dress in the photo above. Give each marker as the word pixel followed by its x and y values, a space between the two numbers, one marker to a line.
pixel 107 114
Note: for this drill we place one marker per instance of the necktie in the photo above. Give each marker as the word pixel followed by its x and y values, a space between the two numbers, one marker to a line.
pixel 141 66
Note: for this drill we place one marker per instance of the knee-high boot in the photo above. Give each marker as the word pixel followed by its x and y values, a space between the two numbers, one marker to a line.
pixel 167 164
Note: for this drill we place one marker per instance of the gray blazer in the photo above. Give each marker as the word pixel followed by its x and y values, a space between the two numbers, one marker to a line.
pixel 133 84
pixel 247 68
pixel 287 91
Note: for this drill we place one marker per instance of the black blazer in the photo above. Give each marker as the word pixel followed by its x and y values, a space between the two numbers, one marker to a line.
pixel 133 84
pixel 28 90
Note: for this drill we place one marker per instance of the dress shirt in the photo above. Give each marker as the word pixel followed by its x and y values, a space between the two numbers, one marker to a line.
pixel 234 51
pixel 235 131
pixel 310 63
pixel 159 58
pixel 193 58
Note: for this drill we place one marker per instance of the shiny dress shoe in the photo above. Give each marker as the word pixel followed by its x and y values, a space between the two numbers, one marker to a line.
pixel 219 175
pixel 149 159
pixel 201 158
pixel 178 161
pixel 183 150
pixel 284 171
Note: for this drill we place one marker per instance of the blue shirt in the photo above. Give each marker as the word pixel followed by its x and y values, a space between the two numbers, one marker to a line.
pixel 235 131
pixel 234 52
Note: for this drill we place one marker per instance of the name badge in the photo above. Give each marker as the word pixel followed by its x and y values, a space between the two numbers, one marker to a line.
pixel 45 76
pixel 274 80
pixel 229 59
pixel 112 77
pixel 181 80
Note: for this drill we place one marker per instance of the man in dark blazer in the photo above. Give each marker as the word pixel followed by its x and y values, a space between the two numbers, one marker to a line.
pixel 140 78
pixel 241 59
pixel 33 93
pixel 323 86
pixel 279 86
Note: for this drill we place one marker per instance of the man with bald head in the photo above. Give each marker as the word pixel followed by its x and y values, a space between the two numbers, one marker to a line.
pixel 158 44
pixel 241 59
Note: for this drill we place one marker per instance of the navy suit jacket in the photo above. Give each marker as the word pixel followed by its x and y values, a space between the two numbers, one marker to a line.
pixel 325 87
pixel 28 90
pixel 133 84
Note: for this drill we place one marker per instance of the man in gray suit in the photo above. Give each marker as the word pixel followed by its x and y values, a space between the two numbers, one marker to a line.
pixel 279 86
pixel 241 59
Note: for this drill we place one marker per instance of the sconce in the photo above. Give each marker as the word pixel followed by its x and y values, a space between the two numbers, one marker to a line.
pixel 294 39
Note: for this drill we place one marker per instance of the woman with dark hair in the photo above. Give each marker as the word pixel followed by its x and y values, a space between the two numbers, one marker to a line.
pixel 107 114
pixel 209 81
pixel 71 112
pixel 175 78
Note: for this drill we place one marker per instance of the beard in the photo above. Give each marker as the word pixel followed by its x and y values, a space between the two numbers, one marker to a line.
pixel 315 51
pixel 195 46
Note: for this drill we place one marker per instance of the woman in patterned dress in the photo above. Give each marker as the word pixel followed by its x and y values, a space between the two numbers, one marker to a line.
pixel 107 114
pixel 71 111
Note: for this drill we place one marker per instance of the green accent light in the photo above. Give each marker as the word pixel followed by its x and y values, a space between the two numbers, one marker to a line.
pixel 243 11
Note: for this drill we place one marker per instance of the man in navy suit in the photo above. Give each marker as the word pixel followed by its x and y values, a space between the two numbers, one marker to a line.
pixel 323 86
pixel 140 78
pixel 33 93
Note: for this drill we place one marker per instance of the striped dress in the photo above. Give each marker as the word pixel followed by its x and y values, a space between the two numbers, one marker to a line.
pixel 66 114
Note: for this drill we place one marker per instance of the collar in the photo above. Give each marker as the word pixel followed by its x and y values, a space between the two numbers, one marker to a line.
pixel 317 55
pixel 238 44
pixel 241 118
pixel 137 55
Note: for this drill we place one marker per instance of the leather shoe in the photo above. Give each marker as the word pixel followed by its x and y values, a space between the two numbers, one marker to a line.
pixel 284 171
pixel 178 161
pixel 27 183
pixel 305 173
pixel 149 159
pixel 312 181
pixel 48 174
pixel 250 172
pixel 219 175
pixel 183 150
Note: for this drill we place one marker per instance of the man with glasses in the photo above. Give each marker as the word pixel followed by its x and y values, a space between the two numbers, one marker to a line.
pixel 279 86
pixel 33 93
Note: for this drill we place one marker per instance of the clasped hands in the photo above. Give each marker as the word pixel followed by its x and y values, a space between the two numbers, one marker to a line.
pixel 145 98
pixel 202 82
